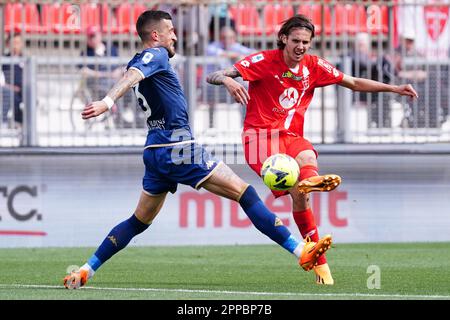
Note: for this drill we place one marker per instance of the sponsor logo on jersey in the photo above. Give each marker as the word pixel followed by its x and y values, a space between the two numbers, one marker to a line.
pixel 290 75
pixel 328 67
pixel 257 58
pixel 288 98
pixel 156 124
pixel 147 57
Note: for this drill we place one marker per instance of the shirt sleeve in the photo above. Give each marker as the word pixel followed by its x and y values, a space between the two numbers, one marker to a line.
pixel 150 62
pixel 326 73
pixel 252 67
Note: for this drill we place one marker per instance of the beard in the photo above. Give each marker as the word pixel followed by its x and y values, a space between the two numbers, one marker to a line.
pixel 171 50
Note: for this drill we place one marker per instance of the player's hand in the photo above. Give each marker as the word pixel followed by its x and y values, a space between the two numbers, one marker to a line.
pixel 94 109
pixel 237 91
pixel 407 90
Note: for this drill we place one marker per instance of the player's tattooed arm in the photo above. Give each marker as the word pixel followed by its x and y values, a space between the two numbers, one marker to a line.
pixel 225 77
pixel 129 79
pixel 96 108
pixel 218 77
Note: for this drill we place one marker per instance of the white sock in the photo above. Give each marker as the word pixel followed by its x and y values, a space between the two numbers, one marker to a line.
pixel 90 271
pixel 298 249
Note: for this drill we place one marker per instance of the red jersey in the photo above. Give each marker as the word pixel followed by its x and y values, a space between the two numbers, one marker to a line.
pixel 279 97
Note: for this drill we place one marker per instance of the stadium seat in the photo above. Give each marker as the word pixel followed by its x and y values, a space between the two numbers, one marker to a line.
pixel 247 19
pixel 22 17
pixel 377 19
pixel 314 12
pixel 90 16
pixel 127 16
pixel 61 18
pixel 109 22
pixel 351 18
pixel 274 15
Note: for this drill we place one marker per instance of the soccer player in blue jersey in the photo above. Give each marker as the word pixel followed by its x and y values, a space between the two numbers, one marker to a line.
pixel 172 156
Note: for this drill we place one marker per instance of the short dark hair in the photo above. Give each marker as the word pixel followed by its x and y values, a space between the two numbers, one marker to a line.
pixel 298 21
pixel 148 18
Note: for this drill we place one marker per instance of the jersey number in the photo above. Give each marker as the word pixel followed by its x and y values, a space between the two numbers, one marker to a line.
pixel 142 101
pixel 288 121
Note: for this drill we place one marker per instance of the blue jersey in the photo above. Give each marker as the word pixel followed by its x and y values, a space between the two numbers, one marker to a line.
pixel 161 97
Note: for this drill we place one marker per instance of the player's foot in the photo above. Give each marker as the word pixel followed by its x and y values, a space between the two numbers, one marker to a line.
pixel 313 250
pixel 76 279
pixel 323 274
pixel 326 182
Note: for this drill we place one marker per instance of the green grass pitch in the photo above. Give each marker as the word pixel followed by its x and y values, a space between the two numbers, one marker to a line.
pixel 406 271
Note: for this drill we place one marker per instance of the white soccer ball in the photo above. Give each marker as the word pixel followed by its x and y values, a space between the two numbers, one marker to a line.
pixel 280 172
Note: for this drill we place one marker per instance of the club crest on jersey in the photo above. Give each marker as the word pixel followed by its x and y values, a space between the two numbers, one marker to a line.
pixel 290 75
pixel 288 98
pixel 147 57
pixel 257 58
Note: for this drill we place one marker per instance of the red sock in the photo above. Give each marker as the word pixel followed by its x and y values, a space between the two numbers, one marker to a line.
pixel 307 227
pixel 308 171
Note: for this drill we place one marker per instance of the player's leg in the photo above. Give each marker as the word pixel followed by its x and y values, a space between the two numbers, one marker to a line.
pixel 224 182
pixel 118 238
pixel 302 212
pixel 304 218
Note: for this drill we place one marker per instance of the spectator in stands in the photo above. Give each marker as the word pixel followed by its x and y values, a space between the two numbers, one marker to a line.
pixel 95 47
pixel 413 73
pixel 405 49
pixel 231 50
pixel 189 22
pixel 101 76
pixel 5 99
pixel 366 64
pixel 227 46
pixel 11 84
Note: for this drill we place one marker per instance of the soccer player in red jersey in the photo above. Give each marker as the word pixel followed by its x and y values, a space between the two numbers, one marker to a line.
pixel 281 87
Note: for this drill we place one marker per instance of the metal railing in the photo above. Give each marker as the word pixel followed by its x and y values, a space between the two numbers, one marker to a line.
pixel 54 90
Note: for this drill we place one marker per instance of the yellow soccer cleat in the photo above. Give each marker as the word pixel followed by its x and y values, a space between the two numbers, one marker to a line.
pixel 313 250
pixel 76 279
pixel 326 182
pixel 323 274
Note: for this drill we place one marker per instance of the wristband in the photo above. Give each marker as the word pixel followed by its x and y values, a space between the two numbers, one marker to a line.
pixel 109 102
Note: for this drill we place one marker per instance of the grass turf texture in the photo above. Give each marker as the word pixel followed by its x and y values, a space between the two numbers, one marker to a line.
pixel 407 271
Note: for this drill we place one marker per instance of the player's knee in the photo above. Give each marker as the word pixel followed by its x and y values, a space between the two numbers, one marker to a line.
pixel 144 217
pixel 307 157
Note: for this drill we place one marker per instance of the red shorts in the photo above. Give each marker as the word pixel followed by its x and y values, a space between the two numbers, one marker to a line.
pixel 259 146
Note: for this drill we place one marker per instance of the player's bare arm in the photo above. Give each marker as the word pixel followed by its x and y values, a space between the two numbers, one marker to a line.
pixel 218 77
pixel 128 80
pixel 225 77
pixel 367 85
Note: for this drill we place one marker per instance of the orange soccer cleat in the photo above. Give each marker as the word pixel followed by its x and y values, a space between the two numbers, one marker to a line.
pixel 313 250
pixel 326 182
pixel 76 279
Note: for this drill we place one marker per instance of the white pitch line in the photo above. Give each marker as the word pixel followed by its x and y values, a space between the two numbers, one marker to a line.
pixel 256 293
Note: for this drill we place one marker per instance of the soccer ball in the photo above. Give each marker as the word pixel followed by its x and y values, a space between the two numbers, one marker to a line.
pixel 280 172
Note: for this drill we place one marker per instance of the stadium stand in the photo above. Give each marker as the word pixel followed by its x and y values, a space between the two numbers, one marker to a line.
pixel 54 35
pixel 22 17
